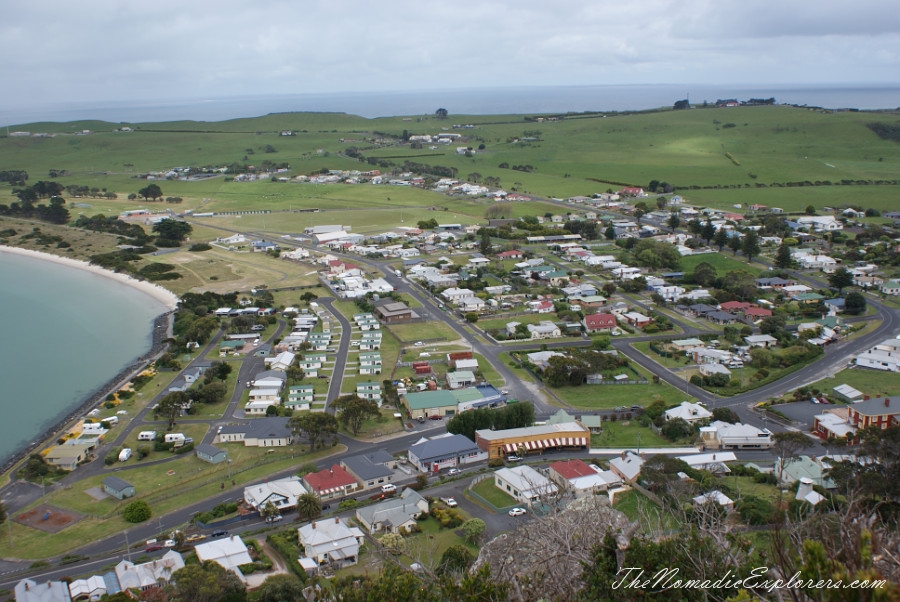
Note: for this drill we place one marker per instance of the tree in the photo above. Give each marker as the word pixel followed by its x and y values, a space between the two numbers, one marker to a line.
pixel 309 506
pixel 353 410
pixel 733 243
pixel 705 274
pixel 217 370
pixel 609 289
pixel 171 406
pixel 137 512
pixel 638 214
pixel 750 245
pixel 316 427
pixel 208 582
pixel 280 588
pixel 787 444
pixel 676 429
pixel 473 528
pixel 674 221
pixel 151 191
pixel 840 279
pixel 441 113
pixel 720 238
pixel 708 232
pixel 610 232
pixel 471 317
pixel 854 303
pixel 456 559
pixel 810 210
pixel 268 511
pixel 308 297
pixel 171 229
pixel 783 259
pixel 485 245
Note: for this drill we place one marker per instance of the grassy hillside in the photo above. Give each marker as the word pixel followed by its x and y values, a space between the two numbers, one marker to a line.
pixel 576 155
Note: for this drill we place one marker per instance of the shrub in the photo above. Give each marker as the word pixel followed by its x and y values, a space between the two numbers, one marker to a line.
pixel 137 511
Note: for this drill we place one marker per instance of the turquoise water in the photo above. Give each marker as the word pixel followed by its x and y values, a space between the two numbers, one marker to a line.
pixel 64 332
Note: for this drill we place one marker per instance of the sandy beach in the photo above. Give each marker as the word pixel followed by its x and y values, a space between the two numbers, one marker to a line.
pixel 167 298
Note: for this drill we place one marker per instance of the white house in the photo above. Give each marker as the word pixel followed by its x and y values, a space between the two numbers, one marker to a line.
pixel 396 515
pixel 455 295
pixel 282 361
pixel 524 483
pixel 883 356
pixel 689 412
pixel 714 496
pixel 544 330
pixel 735 436
pixel 227 552
pixel 330 542
pixel 282 493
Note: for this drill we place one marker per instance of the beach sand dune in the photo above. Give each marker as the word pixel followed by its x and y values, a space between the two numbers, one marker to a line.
pixel 167 298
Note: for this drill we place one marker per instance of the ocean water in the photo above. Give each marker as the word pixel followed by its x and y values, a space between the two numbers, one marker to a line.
pixel 66 332
pixel 458 101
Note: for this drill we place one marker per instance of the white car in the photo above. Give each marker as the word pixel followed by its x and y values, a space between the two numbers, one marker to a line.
pixel 419 344
pixel 449 501
pixel 453 471
pixel 388 488
pixel 517 512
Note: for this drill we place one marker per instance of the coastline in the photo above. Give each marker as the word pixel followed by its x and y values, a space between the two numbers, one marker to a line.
pixel 162 327
pixel 164 296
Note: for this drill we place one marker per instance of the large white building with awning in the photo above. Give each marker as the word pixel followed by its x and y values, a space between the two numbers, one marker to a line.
pixel 533 439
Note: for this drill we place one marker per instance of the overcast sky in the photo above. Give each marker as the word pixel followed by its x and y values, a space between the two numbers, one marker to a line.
pixel 95 50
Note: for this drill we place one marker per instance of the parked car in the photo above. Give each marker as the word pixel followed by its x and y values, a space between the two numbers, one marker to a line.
pixel 453 471
pixel 274 519
pixel 195 538
pixel 449 501
pixel 219 533
pixel 388 488
pixel 517 512
pixel 169 543
pixel 513 459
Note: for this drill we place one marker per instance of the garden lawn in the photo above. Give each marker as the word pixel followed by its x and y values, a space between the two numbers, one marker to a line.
pixel 875 383
pixel 489 491
pixel 672 361
pixel 192 482
pixel 605 397
pixel 638 507
pixel 628 434
pixel 723 263
pixel 422 331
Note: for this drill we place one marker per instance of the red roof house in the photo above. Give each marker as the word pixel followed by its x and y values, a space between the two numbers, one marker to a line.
pixel 330 483
pixel 510 255
pixel 734 305
pixel 757 312
pixel 599 323
pixel 572 469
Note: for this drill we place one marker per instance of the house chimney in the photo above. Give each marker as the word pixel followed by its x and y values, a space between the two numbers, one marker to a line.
pixel 313 524
pixel 865 398
pixel 623 455
pixel 887 402
pixel 337 521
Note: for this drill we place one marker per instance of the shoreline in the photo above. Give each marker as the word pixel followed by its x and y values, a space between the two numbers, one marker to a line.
pixel 158 293
pixel 162 326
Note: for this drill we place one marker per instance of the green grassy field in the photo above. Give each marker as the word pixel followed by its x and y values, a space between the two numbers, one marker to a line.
pixel 628 434
pixel 605 397
pixel 579 154
pixel 870 382
pixel 723 262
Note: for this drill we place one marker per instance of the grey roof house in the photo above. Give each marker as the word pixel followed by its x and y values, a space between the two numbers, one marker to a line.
pixel 118 488
pixel 371 469
pixel 210 453
pixel 430 455
pixel 395 515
